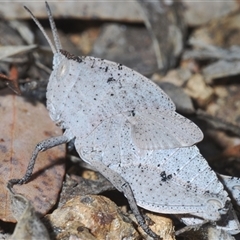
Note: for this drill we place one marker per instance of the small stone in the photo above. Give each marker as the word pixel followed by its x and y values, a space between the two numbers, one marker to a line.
pixel 97 216
pixel 199 90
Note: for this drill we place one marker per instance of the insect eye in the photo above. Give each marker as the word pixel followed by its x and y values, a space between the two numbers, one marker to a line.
pixel 63 69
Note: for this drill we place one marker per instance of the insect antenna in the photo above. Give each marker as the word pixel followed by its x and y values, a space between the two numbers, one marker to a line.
pixel 42 30
pixel 54 29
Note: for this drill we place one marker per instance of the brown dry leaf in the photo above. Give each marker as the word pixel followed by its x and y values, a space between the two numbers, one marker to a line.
pixel 22 126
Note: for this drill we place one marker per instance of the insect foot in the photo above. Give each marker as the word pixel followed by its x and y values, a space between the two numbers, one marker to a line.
pixel 127 128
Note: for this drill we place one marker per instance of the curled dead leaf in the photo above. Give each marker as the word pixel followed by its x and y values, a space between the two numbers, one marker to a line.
pixel 29 226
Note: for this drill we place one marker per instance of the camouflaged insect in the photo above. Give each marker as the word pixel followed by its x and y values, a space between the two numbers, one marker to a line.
pixel 127 128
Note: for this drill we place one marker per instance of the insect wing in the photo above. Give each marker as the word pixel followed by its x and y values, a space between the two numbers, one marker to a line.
pixel 105 89
pixel 163 130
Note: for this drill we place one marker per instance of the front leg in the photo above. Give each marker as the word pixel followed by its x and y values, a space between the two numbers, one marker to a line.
pixel 124 187
pixel 40 147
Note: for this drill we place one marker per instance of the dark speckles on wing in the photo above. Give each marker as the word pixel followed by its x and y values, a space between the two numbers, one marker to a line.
pixel 165 177
pixel 111 79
